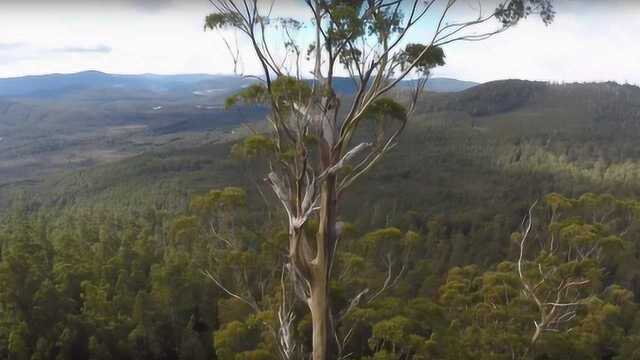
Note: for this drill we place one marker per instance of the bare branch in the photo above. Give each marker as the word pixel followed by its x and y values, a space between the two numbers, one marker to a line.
pixel 251 303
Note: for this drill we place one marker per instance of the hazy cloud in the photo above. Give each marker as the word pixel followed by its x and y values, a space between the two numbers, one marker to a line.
pixel 140 4
pixel 102 49
pixel 18 53
pixel 10 46
pixel 151 5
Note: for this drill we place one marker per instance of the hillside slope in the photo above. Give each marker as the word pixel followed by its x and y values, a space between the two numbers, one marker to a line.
pixel 60 122
pixel 516 140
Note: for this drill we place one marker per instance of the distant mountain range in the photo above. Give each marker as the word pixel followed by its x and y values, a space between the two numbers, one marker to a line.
pixel 57 85
pixel 443 85
pixel 72 121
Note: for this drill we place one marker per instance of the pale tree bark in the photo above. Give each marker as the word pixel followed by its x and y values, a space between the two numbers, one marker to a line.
pixel 321 267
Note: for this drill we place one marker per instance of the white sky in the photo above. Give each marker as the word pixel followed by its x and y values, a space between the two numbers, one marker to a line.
pixel 589 41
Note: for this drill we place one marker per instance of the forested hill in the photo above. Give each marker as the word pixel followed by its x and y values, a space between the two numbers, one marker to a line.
pixel 511 95
pixel 112 261
pixel 473 156
pixel 75 121
pixel 570 137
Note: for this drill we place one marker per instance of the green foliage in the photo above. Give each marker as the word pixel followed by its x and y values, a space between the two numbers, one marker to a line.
pixel 286 91
pixel 100 284
pixel 113 273
pixel 387 108
pixel 100 293
pixel 512 11
pixel 221 20
pixel 252 147
pixel 424 59
pixel 253 94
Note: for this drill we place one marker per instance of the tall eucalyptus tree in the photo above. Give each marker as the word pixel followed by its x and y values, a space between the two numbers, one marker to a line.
pixel 325 140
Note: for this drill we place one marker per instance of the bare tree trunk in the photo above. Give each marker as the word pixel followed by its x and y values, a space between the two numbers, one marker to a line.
pixel 319 306
pixel 319 303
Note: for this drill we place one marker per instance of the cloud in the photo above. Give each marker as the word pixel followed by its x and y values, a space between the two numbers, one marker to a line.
pixel 21 52
pixel 101 49
pixel 143 5
pixel 590 40
pixel 150 5
pixel 11 46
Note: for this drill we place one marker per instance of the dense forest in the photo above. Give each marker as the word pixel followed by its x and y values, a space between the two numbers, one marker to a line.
pixel 104 266
pixel 353 215
pixel 104 284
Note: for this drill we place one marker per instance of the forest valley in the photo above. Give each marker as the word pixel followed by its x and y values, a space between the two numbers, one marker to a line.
pixel 500 222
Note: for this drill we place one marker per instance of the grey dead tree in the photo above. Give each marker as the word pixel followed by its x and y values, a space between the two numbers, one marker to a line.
pixel 559 278
pixel 557 303
pixel 325 142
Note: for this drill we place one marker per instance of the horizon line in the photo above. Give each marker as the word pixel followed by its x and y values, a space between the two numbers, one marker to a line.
pixel 249 75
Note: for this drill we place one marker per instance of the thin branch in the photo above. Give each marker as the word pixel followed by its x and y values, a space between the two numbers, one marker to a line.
pixel 251 304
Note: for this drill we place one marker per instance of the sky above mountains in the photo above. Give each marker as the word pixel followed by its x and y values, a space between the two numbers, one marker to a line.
pixel 589 41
